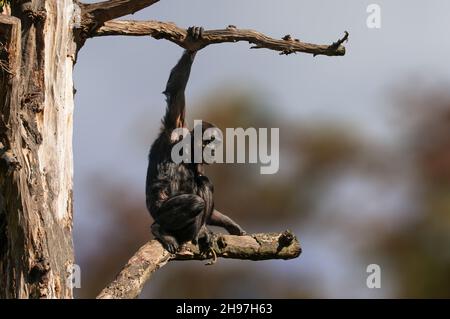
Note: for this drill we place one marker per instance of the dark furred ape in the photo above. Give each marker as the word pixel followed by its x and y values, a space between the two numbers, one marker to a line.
pixel 179 197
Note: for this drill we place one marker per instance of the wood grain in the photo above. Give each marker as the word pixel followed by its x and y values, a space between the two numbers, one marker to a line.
pixel 170 31
pixel 152 256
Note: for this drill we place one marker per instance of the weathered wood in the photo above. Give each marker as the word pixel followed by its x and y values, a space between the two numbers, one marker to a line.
pixel 108 10
pixel 152 256
pixel 36 110
pixel 93 15
pixel 131 279
pixel 169 31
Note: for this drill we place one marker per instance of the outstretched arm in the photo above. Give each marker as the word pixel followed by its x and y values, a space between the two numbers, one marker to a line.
pixel 179 76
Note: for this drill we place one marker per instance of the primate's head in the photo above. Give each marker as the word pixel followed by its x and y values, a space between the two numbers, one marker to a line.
pixel 211 137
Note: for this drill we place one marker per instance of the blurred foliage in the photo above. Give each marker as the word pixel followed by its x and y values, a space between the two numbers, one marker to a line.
pixel 420 251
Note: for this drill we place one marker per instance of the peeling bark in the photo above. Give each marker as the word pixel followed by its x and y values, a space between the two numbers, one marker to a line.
pixel 169 31
pixel 152 256
pixel 36 109
pixel 107 10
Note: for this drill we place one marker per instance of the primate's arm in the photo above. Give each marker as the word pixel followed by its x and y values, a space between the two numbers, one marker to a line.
pixel 176 85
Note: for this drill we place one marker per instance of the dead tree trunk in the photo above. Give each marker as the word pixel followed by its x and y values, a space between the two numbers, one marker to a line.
pixel 38 50
pixel 39 42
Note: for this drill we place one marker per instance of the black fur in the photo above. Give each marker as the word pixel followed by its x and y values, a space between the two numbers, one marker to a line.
pixel 178 196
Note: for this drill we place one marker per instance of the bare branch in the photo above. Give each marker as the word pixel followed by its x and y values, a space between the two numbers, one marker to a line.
pixel 112 9
pixel 152 256
pixel 169 31
pixel 95 14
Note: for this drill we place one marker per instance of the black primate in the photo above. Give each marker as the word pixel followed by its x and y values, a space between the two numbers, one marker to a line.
pixel 178 196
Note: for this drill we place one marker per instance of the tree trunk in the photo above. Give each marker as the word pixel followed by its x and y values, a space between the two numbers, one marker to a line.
pixel 36 110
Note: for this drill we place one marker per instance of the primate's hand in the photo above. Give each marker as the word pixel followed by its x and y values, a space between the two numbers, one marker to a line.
pixel 195 32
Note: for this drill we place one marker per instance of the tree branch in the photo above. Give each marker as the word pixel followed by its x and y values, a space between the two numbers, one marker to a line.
pixel 152 256
pixel 95 14
pixel 112 9
pixel 169 31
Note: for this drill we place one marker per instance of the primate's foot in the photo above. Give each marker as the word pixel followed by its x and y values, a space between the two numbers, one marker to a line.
pixel 235 229
pixel 195 32
pixel 205 243
pixel 169 242
pixel 221 220
pixel 204 238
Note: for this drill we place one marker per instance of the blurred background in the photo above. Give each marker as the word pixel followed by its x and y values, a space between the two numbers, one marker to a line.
pixel 364 148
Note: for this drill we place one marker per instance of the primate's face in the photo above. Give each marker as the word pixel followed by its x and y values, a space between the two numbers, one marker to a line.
pixel 211 139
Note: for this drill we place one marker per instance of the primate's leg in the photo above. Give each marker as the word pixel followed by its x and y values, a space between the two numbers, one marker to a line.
pixel 180 216
pixel 169 242
pixel 180 211
pixel 221 220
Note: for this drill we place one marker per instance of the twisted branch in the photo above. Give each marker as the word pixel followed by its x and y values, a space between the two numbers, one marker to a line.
pixel 179 36
pixel 112 9
pixel 152 256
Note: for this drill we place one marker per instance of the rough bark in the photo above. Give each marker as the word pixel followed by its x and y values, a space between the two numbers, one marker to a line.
pixel 95 14
pixel 152 256
pixel 169 31
pixel 112 9
pixel 36 109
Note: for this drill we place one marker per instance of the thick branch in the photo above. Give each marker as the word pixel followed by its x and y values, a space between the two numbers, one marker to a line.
pixel 169 31
pixel 112 9
pixel 152 256
pixel 94 15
